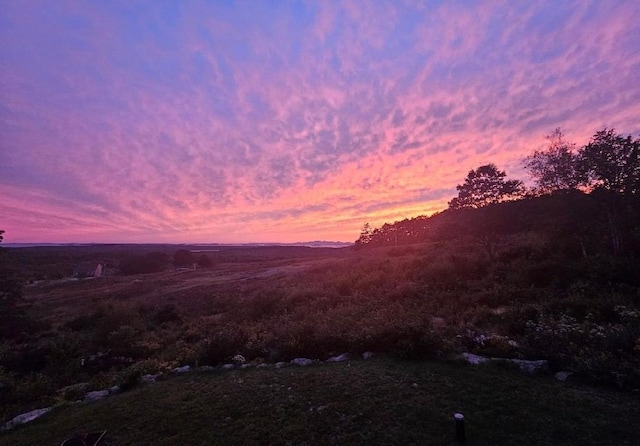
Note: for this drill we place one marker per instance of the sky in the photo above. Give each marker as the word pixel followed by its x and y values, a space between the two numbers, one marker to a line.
pixel 288 121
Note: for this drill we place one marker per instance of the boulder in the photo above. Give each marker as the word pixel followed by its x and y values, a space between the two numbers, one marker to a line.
pixel 263 365
pixel 367 355
pixel 229 366
pixel 183 369
pixel 339 358
pixel 115 389
pixel 562 376
pixel 280 365
pixel 528 366
pixel 96 395
pixel 474 359
pixel 303 362
pixel 148 378
pixel 25 418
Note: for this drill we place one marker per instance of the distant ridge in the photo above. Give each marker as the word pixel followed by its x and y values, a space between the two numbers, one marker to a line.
pixel 312 244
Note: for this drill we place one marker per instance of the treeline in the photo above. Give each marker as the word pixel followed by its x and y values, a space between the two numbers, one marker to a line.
pixel 596 188
pixel 154 262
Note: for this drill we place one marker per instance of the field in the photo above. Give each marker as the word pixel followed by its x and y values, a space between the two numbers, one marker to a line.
pixel 417 307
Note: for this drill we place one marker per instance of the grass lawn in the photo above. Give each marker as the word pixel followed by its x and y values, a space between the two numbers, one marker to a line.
pixel 381 401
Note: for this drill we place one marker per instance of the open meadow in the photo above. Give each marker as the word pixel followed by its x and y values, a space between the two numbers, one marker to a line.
pixel 416 307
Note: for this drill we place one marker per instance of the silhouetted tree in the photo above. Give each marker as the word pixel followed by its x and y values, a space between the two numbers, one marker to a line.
pixel 483 186
pixel 365 235
pixel 555 168
pixel 612 161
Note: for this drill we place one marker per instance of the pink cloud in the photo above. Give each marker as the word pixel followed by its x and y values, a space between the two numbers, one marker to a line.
pixel 303 126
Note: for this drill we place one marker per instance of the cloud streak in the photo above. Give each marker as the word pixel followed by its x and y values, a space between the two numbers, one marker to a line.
pixel 196 122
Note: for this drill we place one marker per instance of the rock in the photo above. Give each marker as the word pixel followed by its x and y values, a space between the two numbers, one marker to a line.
pixel 229 366
pixel 527 366
pixel 25 418
pixel 474 359
pixel 148 378
pixel 239 359
pixel 206 368
pixel 530 366
pixel 562 376
pixel 303 362
pixel 264 365
pixel 96 395
pixel 183 369
pixel 114 389
pixel 367 355
pixel 340 358
pixel 280 365
pixel 247 366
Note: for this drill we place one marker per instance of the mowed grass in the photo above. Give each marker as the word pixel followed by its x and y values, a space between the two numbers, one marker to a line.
pixel 381 401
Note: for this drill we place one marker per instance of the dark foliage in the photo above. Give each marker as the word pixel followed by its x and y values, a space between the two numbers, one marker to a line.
pixel 152 262
pixel 556 168
pixel 183 258
pixel 612 161
pixel 483 186
pixel 204 261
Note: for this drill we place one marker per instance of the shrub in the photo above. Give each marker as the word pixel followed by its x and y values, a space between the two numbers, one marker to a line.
pixel 130 376
pixel 166 314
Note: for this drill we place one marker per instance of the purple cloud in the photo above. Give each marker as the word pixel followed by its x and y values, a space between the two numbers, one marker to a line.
pixel 213 122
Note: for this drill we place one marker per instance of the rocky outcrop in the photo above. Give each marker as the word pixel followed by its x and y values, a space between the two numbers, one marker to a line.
pixel 96 395
pixel 148 378
pixel 339 358
pixel 562 376
pixel 303 362
pixel 527 366
pixel 25 418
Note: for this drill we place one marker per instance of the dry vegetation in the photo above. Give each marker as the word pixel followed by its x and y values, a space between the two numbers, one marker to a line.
pixel 428 300
pixel 550 278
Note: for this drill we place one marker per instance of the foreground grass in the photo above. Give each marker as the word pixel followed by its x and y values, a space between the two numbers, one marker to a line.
pixel 374 402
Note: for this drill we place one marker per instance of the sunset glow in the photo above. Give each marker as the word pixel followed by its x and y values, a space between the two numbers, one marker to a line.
pixel 229 122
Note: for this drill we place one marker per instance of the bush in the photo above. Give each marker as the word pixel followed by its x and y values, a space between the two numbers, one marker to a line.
pixel 130 376
pixel 166 314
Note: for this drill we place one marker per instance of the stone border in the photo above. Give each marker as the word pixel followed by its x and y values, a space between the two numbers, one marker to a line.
pixel 97 395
